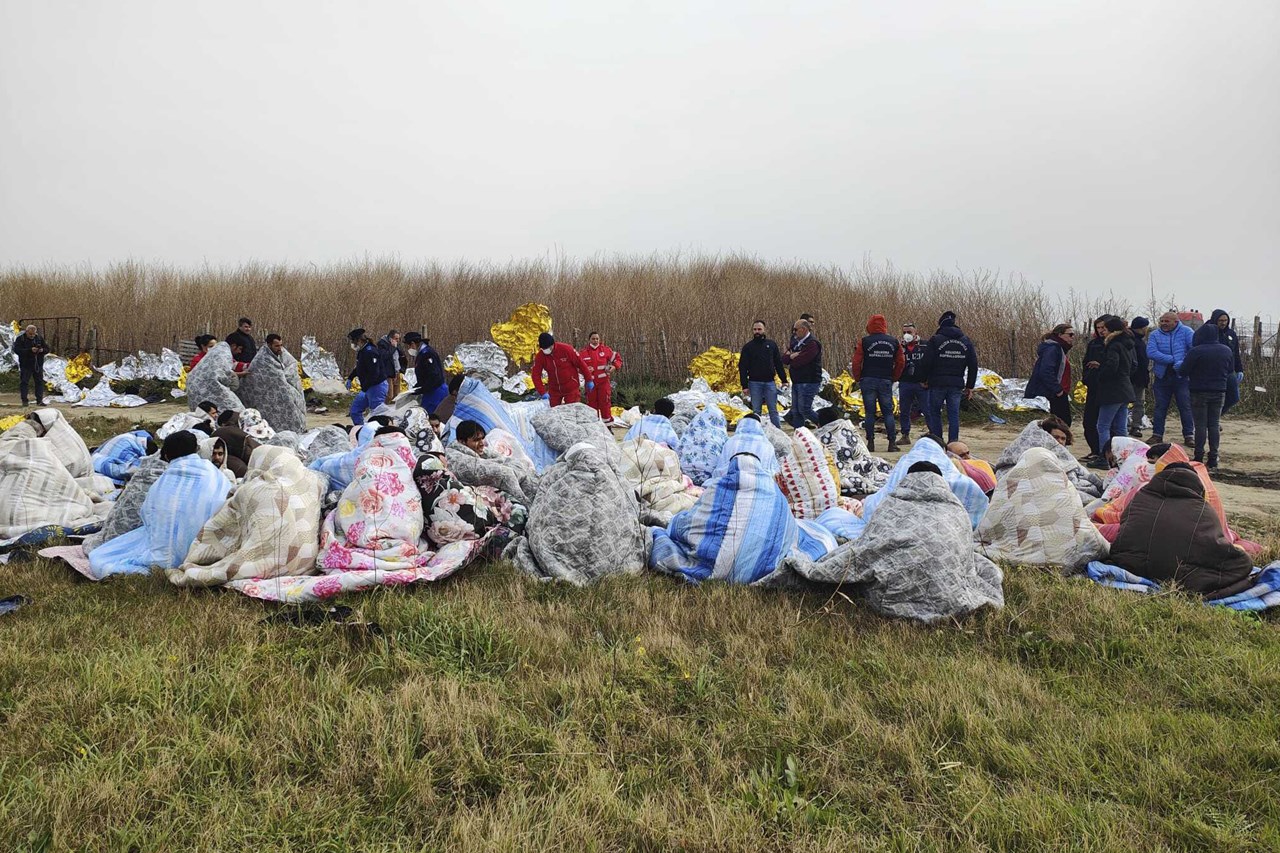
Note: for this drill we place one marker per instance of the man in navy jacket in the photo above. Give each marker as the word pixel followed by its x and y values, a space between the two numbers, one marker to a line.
pixel 951 370
pixel 1206 368
pixel 372 374
pixel 428 370
pixel 1228 336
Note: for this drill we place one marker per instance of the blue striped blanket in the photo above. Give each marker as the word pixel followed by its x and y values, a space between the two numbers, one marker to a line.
pixel 477 403
pixel 178 504
pixel 739 530
pixel 1264 594
pixel 656 427
pixel 340 468
pixel 118 456
pixel 748 437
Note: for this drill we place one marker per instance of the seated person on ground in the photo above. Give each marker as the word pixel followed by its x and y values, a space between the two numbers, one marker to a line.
pixel 657 424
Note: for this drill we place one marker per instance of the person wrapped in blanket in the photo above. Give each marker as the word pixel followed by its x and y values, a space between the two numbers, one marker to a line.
pixel 473 462
pixel 1170 533
pixel 657 425
pixel 118 456
pixel 860 472
pixel 240 445
pixel 739 530
pixel 453 511
pixel 177 506
pixel 915 558
pixel 978 470
pixel 215 451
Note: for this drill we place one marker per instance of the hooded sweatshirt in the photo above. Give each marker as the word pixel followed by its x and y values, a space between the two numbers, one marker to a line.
pixel 950 359
pixel 1113 381
pixel 1209 363
pixel 878 355
pixel 1228 336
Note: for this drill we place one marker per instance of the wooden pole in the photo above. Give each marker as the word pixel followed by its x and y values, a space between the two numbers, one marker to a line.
pixel 1255 348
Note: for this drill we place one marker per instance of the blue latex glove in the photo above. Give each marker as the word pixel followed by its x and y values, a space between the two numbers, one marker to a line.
pixel 1239 377
pixel 348 384
pixel 591 386
pixel 546 396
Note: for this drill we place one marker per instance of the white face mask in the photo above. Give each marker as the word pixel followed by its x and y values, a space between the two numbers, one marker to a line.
pixel 908 337
pixel 547 351
pixel 355 346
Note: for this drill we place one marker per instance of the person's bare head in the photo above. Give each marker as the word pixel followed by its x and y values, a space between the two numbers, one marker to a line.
pixel 30 331
pixel 246 325
pixel 801 328
pixel 1168 320
pixel 758 329
pixel 275 343
pixel 958 449
pixel 1224 321
pixel 394 337
pixel 593 339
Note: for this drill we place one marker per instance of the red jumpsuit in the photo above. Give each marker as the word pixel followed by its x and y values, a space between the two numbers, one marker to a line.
pixel 562 368
pixel 597 359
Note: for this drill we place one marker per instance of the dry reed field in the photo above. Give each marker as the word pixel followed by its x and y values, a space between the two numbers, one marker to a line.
pixel 690 303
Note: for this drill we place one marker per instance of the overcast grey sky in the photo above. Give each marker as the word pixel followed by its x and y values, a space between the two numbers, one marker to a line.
pixel 1073 142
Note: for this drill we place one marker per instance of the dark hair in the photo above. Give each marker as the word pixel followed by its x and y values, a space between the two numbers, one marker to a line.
pixel 1102 318
pixel 204 427
pixel 589 334
pixel 383 420
pixel 1116 324
pixel 937 439
pixel 152 447
pixel 761 322
pixel 456 382
pixel 1057 331
pixel 244 320
pixel 664 406
pixel 1053 422
pixel 208 407
pixel 412 338
pixel 201 340
pixel 1155 451
pixel 924 465
pixel 389 429
pixel 177 445
pixel 1106 448
pixel 468 430
pixel 229 417
pixel 273 337
pixel 751 417
pixel 829 414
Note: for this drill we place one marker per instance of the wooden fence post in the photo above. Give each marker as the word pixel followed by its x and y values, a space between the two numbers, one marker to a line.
pixel 1255 346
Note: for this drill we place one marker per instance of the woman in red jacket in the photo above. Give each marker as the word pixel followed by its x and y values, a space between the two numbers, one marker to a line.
pixel 601 362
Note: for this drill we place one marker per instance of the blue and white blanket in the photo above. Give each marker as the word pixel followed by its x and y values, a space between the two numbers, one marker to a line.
pixel 748 437
pixel 184 497
pixel 340 468
pixel 739 530
pixel 118 456
pixel 1264 594
pixel 477 403
pixel 656 427
pixel 969 493
pixel 701 443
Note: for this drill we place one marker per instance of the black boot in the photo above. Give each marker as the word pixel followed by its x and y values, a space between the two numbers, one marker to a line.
pixel 871 443
pixel 1212 463
pixel 893 445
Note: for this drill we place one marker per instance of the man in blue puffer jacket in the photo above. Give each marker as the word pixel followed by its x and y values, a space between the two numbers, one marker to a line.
pixel 1207 369
pixel 1167 346
pixel 950 367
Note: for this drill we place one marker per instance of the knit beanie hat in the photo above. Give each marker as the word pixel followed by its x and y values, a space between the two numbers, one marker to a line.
pixel 545 340
pixel 947 319
pixel 1139 323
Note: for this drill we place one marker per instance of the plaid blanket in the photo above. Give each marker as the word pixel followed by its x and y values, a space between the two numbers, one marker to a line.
pixel 1263 595
pixel 214 380
pixel 273 386
pixel 1036 518
pixel 968 492
pixel 583 524
pixel 655 427
pixel 1087 483
pixel 118 456
pixel 652 469
pixel 51 427
pixel 739 530
pixel 182 499
pixel 701 443
pixel 37 492
pixel 269 527
pixel 748 437
pixel 126 510
pixel 915 559
pixel 477 403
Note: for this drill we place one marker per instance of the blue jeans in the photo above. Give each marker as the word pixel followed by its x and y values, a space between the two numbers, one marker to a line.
pixel 949 397
pixel 877 391
pixel 911 399
pixel 1172 388
pixel 764 395
pixel 802 394
pixel 367 400
pixel 1113 419
pixel 1233 392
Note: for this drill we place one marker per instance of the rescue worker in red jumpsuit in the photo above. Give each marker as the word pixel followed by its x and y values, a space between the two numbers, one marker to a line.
pixel 562 366
pixel 601 362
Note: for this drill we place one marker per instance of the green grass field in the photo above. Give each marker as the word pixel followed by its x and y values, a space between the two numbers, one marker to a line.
pixel 501 714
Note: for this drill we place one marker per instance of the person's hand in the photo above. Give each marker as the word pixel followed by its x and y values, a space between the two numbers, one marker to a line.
pixel 591 386
pixel 968 393
pixel 348 384
pixel 1093 364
